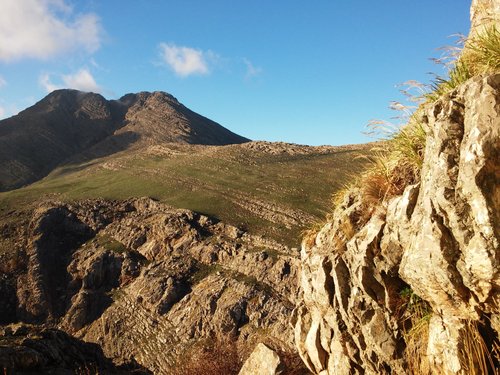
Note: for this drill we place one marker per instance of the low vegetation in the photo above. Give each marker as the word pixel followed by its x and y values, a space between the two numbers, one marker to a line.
pixel 397 160
pixel 414 316
pixel 254 190
pixel 213 357
pixel 480 55
pixel 478 356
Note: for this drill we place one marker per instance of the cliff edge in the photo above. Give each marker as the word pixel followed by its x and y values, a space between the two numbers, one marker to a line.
pixel 413 286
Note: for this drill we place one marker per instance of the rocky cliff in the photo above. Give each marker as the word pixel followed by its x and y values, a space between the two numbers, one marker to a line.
pixel 144 281
pixel 413 285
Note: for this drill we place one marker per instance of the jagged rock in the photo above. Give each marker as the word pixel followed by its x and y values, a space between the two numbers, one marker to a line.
pixel 29 349
pixel 146 281
pixel 440 238
pixel 484 13
pixel 262 361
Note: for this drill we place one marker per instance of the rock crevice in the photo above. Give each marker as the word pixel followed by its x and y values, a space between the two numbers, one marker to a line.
pixel 435 247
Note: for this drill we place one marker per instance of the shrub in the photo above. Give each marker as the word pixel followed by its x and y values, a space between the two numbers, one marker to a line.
pixel 214 357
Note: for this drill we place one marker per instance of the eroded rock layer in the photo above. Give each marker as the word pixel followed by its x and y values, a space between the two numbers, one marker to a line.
pixel 423 269
pixel 146 281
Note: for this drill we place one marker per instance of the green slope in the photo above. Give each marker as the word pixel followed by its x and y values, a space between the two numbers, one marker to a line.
pixel 276 193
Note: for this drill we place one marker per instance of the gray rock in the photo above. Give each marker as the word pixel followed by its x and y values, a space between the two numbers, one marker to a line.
pixel 262 361
pixel 440 238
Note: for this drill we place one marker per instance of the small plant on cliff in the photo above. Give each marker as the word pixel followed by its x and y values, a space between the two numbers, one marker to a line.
pixel 213 357
pixel 477 357
pixel 479 54
pixel 398 160
pixel 415 315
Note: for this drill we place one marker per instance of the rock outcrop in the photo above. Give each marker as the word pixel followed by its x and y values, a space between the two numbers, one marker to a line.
pixel 31 349
pixel 146 281
pixel 424 268
pixel 262 361
pixel 484 13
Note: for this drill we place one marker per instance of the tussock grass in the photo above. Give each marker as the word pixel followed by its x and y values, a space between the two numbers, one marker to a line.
pixel 214 357
pixel 477 358
pixel 479 54
pixel 397 161
pixel 309 234
pixel 415 315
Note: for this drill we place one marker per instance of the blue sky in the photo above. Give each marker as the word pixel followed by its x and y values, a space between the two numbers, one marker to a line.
pixel 309 72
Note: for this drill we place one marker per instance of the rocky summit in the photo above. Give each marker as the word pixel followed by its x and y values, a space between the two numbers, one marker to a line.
pixel 69 125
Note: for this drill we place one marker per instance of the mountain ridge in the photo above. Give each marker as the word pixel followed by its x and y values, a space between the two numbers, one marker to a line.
pixel 74 125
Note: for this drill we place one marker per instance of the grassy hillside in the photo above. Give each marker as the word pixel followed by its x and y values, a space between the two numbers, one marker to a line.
pixel 271 189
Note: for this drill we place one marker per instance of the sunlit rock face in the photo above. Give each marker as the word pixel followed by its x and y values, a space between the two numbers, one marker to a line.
pixel 483 13
pixel 439 240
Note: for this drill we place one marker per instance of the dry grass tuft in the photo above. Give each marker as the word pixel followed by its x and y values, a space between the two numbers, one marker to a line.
pixel 218 356
pixel 309 234
pixel 292 363
pixel 477 55
pixel 415 315
pixel 477 357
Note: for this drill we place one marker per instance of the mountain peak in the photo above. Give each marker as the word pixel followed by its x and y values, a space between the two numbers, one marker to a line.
pixel 147 95
pixel 73 125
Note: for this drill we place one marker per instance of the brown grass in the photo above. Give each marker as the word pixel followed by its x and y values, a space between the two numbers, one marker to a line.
pixel 218 356
pixel 292 363
pixel 476 357
pixel 477 55
pixel 415 315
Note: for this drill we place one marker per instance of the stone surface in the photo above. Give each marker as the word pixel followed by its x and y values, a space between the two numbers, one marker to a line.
pixel 440 239
pixel 30 349
pixel 262 361
pixel 483 14
pixel 146 281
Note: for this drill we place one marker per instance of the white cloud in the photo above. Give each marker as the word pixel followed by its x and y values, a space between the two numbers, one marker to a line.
pixel 3 82
pixel 44 81
pixel 81 80
pixel 44 28
pixel 186 61
pixel 252 70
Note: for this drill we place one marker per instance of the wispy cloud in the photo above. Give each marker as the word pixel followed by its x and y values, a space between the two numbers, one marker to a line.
pixel 186 61
pixel 81 80
pixel 252 70
pixel 45 82
pixel 41 29
pixel 8 109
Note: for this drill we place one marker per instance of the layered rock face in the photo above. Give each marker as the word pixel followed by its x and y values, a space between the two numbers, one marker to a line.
pixel 439 241
pixel 145 281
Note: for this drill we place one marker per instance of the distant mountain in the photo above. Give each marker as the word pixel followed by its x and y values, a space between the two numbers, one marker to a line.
pixel 72 125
